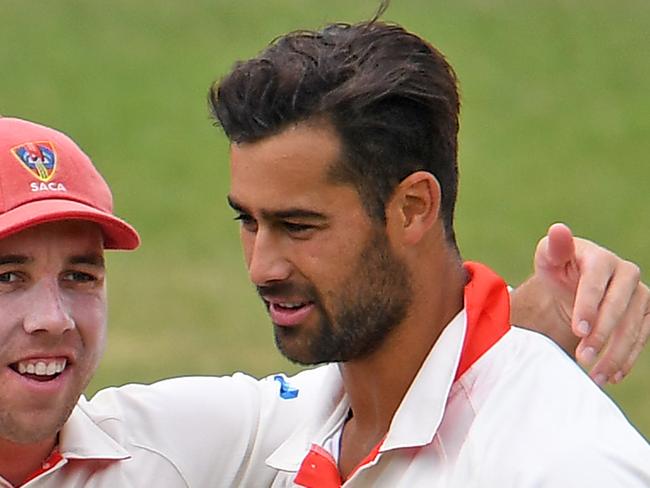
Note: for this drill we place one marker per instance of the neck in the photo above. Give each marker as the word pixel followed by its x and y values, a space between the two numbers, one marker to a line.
pixel 19 461
pixel 377 384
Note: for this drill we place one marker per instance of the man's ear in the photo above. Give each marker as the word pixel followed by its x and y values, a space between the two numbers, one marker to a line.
pixel 414 207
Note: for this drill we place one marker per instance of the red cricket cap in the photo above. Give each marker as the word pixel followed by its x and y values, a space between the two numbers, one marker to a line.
pixel 45 176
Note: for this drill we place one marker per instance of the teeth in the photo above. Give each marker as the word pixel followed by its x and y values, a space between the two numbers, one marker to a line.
pixel 42 367
pixel 290 305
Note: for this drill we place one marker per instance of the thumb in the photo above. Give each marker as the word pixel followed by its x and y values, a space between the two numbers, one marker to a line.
pixel 556 253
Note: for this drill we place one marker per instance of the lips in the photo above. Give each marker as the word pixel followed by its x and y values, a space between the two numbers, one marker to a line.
pixel 289 303
pixel 289 313
pixel 40 369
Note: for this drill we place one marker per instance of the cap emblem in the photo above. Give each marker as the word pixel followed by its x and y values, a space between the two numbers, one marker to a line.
pixel 39 158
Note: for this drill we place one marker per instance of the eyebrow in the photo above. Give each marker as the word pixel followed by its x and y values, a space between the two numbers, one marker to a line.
pixel 92 259
pixel 234 205
pixel 289 213
pixel 14 259
pixel 294 213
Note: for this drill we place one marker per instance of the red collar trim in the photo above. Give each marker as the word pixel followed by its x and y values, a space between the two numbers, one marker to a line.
pixel 487 309
pixel 318 470
pixel 53 459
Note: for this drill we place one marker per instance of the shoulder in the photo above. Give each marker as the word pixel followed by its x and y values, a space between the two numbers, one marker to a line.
pixel 205 403
pixel 201 426
pixel 214 430
pixel 545 418
pixel 194 400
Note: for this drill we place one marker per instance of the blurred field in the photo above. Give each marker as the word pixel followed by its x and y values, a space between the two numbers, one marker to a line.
pixel 555 126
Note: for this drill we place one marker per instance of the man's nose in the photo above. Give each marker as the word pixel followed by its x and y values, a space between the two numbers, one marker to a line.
pixel 267 262
pixel 47 311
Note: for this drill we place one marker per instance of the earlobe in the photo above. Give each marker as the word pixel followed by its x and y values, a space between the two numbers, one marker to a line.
pixel 417 202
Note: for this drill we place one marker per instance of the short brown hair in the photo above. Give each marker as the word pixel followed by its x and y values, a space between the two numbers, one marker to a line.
pixel 389 95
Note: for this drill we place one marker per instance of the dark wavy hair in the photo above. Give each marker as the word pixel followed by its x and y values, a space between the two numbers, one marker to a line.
pixel 390 96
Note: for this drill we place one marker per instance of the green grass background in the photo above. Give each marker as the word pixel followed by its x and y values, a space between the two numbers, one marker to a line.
pixel 555 126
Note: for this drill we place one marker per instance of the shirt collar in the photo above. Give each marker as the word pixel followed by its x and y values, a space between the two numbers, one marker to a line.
pixel 419 415
pixel 476 328
pixel 82 438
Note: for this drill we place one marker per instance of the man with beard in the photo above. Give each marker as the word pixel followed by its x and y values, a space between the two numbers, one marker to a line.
pixel 344 178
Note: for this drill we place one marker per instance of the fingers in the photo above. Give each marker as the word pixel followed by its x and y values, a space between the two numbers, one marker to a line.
pixel 626 342
pixel 605 287
pixel 602 293
pixel 609 313
pixel 619 335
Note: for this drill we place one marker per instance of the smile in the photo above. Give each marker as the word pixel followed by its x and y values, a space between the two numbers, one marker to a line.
pixel 41 369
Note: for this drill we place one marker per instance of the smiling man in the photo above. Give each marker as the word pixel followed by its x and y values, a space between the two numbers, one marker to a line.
pixel 55 222
pixel 52 291
pixel 344 178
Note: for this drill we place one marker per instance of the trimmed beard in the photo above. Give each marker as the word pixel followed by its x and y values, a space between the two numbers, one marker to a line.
pixel 372 302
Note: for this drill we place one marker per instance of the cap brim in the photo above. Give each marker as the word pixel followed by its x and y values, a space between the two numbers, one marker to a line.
pixel 117 233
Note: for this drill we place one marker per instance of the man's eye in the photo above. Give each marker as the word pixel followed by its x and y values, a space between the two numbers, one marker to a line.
pixel 295 228
pixel 79 276
pixel 247 222
pixel 8 277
